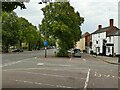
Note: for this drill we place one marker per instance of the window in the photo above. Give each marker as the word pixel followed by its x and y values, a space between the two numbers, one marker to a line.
pixel 98 35
pixel 96 42
pixel 108 49
pixel 109 39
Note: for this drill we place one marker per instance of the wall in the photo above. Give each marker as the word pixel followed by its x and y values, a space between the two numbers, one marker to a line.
pixel 98 37
pixel 117 44
pixel 81 44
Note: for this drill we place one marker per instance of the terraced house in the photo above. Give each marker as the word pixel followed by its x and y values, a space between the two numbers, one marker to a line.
pixel 105 40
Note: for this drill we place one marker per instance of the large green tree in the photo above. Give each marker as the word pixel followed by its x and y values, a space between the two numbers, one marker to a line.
pixel 10 30
pixel 63 23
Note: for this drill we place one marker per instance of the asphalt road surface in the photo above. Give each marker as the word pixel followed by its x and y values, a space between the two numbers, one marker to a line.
pixel 32 70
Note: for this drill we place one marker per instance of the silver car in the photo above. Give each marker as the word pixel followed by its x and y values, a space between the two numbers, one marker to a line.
pixel 77 53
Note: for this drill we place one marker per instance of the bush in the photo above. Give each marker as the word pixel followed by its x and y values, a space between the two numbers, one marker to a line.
pixel 63 53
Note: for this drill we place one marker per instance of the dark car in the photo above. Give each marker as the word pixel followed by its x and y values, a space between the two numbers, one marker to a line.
pixel 17 50
pixel 77 53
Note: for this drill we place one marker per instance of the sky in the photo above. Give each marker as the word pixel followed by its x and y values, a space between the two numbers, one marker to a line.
pixel 95 12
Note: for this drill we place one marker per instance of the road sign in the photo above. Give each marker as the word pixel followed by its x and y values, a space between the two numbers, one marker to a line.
pixel 46 43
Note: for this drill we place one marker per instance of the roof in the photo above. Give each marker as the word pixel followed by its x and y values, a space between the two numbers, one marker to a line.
pixel 117 33
pixel 85 34
pixel 109 30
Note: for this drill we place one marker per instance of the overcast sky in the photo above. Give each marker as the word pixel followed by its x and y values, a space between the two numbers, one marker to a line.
pixel 95 12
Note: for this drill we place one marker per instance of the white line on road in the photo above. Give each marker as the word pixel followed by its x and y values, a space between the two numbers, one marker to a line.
pixel 99 75
pixel 40 64
pixel 108 75
pixel 60 65
pixel 70 59
pixel 95 74
pixel 87 79
pixel 37 83
pixel 113 76
pixel 12 63
pixel 70 69
pixel 84 60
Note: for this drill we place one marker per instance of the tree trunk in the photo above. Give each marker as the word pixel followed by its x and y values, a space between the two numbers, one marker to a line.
pixel 29 47
pixel 5 48
pixel 20 44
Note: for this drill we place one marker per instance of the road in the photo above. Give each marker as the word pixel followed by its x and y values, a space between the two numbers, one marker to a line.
pixel 32 70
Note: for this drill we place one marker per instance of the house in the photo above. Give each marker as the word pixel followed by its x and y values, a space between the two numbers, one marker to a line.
pixel 81 44
pixel 99 38
pixel 84 42
pixel 88 43
pixel 113 44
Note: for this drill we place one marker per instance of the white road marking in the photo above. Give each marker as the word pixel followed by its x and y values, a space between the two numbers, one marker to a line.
pixel 61 65
pixel 99 75
pixel 84 60
pixel 73 70
pixel 70 59
pixel 12 63
pixel 95 74
pixel 35 57
pixel 105 75
pixel 108 75
pixel 113 76
pixel 40 64
pixel 87 79
pixel 37 83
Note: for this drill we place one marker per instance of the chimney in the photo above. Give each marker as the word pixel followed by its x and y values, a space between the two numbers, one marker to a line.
pixel 111 22
pixel 99 26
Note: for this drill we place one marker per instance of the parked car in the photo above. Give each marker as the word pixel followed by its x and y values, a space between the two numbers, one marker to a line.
pixel 17 50
pixel 77 53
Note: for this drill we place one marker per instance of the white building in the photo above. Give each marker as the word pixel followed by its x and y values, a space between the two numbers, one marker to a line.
pixel 112 45
pixel 100 38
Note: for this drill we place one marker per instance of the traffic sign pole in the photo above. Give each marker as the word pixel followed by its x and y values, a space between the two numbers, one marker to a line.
pixel 45 52
pixel 46 44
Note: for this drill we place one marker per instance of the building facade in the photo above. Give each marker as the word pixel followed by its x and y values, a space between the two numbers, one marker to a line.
pixel 112 45
pixel 102 39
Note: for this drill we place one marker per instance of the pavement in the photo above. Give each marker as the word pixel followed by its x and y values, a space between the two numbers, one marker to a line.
pixel 107 59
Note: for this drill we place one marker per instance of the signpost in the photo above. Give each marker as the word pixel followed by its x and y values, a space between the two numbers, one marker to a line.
pixel 45 45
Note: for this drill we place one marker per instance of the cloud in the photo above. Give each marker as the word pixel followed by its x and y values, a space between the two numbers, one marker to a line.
pixel 95 12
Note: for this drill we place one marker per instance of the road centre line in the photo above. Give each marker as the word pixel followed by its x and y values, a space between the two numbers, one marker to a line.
pixel 87 79
pixel 37 83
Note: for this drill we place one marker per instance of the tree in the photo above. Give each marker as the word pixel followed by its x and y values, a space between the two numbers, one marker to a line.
pixel 63 23
pixel 10 30
pixel 10 6
pixel 28 34
pixel 23 26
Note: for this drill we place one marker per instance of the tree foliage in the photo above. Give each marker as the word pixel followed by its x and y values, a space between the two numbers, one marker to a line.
pixel 10 6
pixel 63 23
pixel 17 30
pixel 10 30
pixel 28 33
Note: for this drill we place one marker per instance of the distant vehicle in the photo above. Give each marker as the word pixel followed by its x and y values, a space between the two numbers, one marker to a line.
pixel 17 50
pixel 77 53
